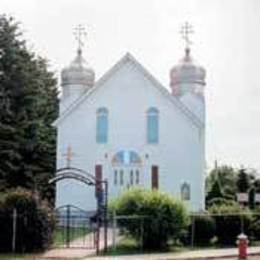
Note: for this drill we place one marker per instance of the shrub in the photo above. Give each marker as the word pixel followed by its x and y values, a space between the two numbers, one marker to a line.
pixel 34 225
pixel 255 225
pixel 162 216
pixel 204 230
pixel 229 225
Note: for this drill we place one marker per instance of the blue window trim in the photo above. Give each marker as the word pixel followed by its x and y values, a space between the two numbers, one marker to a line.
pixel 152 133
pixel 102 125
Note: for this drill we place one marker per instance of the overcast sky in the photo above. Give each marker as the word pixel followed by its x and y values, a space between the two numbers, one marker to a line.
pixel 226 42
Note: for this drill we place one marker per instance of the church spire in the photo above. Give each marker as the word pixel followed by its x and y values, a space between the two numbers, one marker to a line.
pixel 186 31
pixel 79 33
pixel 186 76
pixel 78 77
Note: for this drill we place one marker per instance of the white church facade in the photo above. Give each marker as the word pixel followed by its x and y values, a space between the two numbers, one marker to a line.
pixel 129 129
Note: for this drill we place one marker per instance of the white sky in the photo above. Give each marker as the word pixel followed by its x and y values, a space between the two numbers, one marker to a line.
pixel 226 43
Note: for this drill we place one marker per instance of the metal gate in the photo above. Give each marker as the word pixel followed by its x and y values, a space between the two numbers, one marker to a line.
pixel 75 228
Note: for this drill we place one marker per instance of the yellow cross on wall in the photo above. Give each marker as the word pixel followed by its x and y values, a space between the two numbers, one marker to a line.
pixel 68 156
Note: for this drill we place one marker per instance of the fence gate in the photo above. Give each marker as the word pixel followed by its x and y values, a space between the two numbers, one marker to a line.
pixel 75 228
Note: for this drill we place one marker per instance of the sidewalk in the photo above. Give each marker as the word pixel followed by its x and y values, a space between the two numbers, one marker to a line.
pixel 196 254
pixel 79 248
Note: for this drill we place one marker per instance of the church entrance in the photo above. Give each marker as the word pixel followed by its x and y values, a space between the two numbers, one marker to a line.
pixel 77 228
pixel 126 169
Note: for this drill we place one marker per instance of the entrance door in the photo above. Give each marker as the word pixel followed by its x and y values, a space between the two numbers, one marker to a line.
pixel 75 228
pixel 155 177
pixel 127 166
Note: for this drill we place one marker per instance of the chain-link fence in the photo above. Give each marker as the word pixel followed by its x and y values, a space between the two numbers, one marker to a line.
pixel 204 230
pixel 30 230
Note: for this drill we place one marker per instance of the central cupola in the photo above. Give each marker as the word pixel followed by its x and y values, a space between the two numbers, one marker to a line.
pixel 187 79
pixel 78 77
pixel 187 76
pixel 78 73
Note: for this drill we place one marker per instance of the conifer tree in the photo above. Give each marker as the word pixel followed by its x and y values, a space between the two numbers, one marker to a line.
pixel 243 181
pixel 28 106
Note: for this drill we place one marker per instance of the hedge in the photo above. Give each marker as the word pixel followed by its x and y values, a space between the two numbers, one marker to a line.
pixel 161 216
pixel 34 223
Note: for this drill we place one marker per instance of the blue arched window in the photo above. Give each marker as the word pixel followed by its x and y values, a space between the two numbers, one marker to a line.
pixel 152 125
pixel 126 158
pixel 185 191
pixel 102 125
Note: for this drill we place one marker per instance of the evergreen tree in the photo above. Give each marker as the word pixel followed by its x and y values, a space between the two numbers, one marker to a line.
pixel 226 178
pixel 28 106
pixel 243 181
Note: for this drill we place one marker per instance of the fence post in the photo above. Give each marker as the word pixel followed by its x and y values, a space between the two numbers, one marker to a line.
pixel 114 230
pixel 192 231
pixel 142 233
pixel 68 227
pixel 242 223
pixel 14 230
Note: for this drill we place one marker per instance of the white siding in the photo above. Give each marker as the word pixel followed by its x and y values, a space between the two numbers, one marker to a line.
pixel 127 95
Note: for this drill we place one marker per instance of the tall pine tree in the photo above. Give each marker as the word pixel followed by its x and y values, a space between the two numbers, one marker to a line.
pixel 243 181
pixel 28 106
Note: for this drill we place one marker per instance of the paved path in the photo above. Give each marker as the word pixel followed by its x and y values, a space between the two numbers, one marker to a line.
pixel 79 248
pixel 222 254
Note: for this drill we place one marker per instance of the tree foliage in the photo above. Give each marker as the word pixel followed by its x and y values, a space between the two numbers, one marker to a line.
pixel 221 183
pixel 34 222
pixel 28 106
pixel 161 216
pixel 230 221
pixel 243 181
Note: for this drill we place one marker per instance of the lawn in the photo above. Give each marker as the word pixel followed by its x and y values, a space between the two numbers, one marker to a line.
pixel 18 256
pixel 127 246
pixel 60 234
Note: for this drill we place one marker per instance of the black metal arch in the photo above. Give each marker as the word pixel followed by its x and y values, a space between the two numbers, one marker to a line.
pixel 89 179
pixel 77 171
pixel 71 175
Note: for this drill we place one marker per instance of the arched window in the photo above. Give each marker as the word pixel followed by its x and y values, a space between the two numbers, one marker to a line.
pixel 126 158
pixel 152 125
pixel 121 177
pixel 131 177
pixel 185 191
pixel 137 177
pixel 102 125
pixel 115 177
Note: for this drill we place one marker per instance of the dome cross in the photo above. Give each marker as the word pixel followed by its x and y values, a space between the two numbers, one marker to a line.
pixel 186 31
pixel 80 33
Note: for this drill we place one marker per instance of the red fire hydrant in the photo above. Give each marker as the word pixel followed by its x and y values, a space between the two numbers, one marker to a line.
pixel 242 243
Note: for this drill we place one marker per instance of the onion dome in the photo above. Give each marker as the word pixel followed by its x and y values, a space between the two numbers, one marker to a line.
pixel 186 72
pixel 78 72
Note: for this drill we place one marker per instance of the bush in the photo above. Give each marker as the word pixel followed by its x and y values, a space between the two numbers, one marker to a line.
pixel 34 225
pixel 229 225
pixel 164 217
pixel 255 225
pixel 204 230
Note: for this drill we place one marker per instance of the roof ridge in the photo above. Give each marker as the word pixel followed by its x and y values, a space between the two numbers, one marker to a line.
pixel 129 57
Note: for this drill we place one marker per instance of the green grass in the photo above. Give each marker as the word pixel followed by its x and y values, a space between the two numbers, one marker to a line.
pixel 60 234
pixel 128 246
pixel 18 256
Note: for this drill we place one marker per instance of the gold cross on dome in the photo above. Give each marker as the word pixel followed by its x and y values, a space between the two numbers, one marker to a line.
pixel 186 31
pixel 79 33
pixel 68 156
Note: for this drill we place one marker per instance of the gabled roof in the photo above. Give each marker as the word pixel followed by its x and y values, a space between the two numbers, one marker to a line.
pixel 125 59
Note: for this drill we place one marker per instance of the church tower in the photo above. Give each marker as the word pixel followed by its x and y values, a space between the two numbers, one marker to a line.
pixel 78 77
pixel 187 79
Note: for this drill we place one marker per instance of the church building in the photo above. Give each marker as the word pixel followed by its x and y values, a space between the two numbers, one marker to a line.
pixel 126 127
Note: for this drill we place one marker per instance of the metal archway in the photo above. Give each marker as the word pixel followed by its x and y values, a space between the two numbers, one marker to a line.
pixel 101 195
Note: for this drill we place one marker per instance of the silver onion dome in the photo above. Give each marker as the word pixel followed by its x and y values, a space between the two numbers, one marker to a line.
pixel 186 72
pixel 78 72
